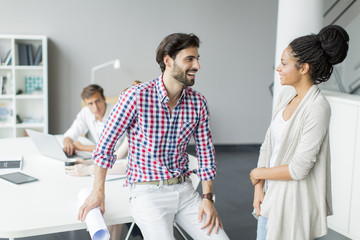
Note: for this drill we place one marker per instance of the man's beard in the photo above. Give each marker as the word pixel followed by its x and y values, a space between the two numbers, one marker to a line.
pixel 181 76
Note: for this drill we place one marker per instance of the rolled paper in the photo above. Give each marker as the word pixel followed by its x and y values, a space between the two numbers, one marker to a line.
pixel 94 220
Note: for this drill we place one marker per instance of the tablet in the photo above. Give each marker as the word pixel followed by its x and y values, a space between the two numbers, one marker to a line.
pixel 18 178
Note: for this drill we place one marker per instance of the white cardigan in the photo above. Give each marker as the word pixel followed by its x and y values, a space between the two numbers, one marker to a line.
pixel 297 209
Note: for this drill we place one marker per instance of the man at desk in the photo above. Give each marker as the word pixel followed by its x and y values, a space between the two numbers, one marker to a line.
pixel 91 118
pixel 160 117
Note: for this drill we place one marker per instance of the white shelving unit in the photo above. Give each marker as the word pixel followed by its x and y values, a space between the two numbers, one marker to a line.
pixel 345 163
pixel 24 96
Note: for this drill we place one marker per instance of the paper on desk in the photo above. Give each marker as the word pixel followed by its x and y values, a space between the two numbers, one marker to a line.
pixel 121 175
pixel 94 219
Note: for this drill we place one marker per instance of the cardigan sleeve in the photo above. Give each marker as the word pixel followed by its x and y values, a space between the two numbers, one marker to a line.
pixel 315 128
pixel 264 150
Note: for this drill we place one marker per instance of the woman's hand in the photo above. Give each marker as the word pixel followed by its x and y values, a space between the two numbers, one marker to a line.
pixel 78 170
pixel 254 181
pixel 85 162
pixel 258 197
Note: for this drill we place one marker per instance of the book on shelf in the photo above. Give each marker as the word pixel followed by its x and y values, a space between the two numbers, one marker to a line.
pixel 5 87
pixel 23 54
pixel 26 54
pixel 38 56
pixel 1 85
pixel 29 48
pixel 7 60
pixel 5 112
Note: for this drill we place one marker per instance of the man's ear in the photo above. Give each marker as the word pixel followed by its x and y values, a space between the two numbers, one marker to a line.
pixel 168 61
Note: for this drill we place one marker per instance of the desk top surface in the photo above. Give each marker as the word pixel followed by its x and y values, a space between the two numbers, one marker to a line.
pixel 50 204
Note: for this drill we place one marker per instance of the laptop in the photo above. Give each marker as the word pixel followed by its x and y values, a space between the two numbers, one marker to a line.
pixel 10 163
pixel 49 146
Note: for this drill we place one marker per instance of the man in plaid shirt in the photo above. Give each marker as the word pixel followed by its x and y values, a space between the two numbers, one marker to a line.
pixel 159 118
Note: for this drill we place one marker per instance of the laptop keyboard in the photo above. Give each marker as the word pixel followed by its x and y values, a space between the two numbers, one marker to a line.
pixel 83 155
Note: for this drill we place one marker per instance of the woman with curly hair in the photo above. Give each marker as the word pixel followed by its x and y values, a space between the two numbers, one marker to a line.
pixel 292 196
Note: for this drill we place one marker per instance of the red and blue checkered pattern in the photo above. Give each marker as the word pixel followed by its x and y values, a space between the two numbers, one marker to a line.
pixel 158 138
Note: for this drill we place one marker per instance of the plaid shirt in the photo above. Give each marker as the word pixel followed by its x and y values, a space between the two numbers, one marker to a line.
pixel 157 137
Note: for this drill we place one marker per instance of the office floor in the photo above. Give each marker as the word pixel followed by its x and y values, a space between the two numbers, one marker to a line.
pixel 233 198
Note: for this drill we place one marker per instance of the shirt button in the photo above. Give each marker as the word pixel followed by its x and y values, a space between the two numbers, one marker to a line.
pixel 169 141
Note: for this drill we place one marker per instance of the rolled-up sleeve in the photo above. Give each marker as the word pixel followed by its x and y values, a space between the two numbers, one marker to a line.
pixel 315 128
pixel 120 118
pixel 204 145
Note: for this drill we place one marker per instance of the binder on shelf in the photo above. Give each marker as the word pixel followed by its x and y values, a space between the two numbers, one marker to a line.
pixel 38 56
pixel 29 48
pixel 23 54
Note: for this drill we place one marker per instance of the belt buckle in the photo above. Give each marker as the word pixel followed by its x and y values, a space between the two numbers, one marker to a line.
pixel 181 179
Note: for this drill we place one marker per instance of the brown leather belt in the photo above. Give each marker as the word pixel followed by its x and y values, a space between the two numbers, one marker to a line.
pixel 171 181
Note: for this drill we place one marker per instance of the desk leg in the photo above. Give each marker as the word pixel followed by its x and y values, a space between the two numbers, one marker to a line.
pixel 130 230
pixel 11 238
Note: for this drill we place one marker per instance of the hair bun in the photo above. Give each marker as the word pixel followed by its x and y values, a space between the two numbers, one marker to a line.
pixel 334 40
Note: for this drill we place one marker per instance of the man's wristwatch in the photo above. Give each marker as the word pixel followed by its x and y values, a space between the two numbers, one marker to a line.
pixel 209 196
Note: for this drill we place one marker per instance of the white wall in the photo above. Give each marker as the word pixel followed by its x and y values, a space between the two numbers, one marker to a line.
pixel 237 53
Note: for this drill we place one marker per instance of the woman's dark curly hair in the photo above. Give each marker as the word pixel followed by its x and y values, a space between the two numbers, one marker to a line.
pixel 321 51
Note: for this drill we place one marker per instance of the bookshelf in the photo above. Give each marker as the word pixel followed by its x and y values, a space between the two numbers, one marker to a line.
pixel 23 84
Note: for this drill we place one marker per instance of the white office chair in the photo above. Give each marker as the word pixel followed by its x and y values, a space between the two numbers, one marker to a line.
pixel 195 180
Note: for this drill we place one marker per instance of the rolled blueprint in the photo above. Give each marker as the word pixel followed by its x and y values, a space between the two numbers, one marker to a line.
pixel 94 220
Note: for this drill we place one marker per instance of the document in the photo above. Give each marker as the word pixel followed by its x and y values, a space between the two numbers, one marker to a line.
pixel 94 219
pixel 121 175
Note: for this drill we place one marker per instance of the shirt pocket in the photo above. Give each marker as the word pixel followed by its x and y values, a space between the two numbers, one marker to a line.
pixel 186 131
pixel 145 144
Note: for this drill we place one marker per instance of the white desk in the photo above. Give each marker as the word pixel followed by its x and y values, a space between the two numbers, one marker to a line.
pixel 50 204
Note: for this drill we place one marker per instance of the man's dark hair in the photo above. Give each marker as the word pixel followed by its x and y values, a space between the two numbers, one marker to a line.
pixel 173 44
pixel 91 90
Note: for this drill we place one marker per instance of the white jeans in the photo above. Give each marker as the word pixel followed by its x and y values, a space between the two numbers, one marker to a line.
pixel 155 208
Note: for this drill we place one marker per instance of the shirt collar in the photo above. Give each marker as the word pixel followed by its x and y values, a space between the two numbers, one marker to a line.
pixel 162 93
